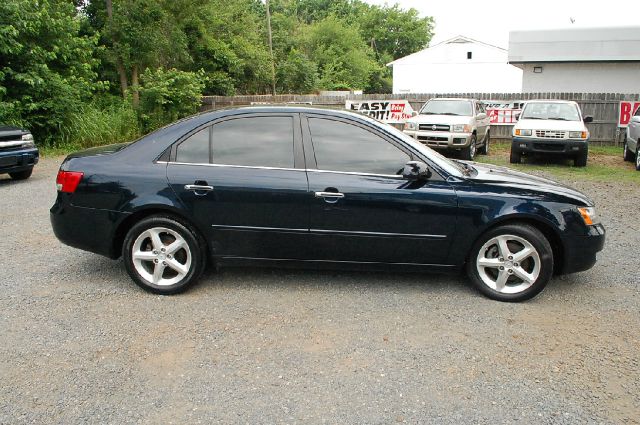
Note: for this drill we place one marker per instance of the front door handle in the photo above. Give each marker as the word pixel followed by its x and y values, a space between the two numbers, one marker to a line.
pixel 198 188
pixel 330 197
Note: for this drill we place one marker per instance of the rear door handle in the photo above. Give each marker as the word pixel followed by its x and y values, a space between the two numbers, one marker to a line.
pixel 198 187
pixel 330 197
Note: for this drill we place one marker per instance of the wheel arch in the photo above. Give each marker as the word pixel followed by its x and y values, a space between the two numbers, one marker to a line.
pixel 125 225
pixel 545 228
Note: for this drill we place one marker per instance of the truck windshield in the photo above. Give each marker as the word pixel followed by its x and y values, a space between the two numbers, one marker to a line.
pixel 447 107
pixel 551 111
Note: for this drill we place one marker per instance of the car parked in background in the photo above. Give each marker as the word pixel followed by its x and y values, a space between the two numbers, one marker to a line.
pixel 551 127
pixel 18 152
pixel 452 124
pixel 317 188
pixel 632 140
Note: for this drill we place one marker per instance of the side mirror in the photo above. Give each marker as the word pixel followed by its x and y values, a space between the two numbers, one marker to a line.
pixel 416 170
pixel 481 116
pixel 414 113
pixel 588 119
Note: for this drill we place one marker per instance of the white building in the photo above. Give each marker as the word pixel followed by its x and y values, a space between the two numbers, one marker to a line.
pixel 458 65
pixel 591 60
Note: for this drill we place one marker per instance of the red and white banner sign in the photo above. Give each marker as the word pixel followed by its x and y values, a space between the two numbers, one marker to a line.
pixel 387 111
pixel 503 116
pixel 626 111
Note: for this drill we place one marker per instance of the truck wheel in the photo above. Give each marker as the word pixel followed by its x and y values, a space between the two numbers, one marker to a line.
pixel 484 149
pixel 469 152
pixel 21 175
pixel 581 159
pixel 627 154
pixel 515 157
pixel 637 159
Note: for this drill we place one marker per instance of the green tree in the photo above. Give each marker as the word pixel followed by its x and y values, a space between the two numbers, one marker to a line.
pixel 47 69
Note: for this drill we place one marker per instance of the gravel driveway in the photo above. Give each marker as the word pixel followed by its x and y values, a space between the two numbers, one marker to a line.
pixel 81 343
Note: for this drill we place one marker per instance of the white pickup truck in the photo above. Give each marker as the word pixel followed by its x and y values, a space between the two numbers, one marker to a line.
pixel 453 124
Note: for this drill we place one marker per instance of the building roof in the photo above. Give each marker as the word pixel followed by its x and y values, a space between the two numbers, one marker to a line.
pixel 605 44
pixel 453 40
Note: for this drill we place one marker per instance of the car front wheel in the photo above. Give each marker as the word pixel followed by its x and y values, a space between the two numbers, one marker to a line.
pixel 627 154
pixel 511 263
pixel 163 255
pixel 469 152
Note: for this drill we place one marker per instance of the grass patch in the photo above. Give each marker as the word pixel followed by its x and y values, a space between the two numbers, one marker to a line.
pixel 604 164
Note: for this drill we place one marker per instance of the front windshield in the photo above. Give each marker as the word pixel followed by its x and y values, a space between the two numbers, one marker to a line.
pixel 551 111
pixel 447 107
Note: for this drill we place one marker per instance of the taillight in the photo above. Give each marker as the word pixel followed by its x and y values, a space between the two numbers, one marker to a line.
pixel 67 181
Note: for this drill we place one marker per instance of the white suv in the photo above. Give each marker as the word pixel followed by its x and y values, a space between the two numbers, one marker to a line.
pixel 554 127
pixel 453 124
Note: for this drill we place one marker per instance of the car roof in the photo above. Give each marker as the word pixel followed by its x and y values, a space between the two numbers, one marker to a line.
pixel 550 101
pixel 453 98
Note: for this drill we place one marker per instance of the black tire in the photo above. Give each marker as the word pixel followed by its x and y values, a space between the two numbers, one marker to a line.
pixel 626 153
pixel 515 157
pixel 534 237
pixel 469 152
pixel 22 175
pixel 637 158
pixel 196 249
pixel 581 159
pixel 484 149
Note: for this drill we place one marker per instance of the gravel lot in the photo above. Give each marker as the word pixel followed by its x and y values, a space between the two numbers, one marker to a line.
pixel 81 343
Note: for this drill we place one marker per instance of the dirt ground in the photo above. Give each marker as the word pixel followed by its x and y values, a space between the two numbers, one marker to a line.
pixel 82 343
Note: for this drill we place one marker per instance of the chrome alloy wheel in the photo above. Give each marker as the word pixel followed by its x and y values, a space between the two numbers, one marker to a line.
pixel 161 256
pixel 637 159
pixel 508 264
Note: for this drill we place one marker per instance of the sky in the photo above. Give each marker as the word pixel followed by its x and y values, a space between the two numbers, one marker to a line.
pixel 491 21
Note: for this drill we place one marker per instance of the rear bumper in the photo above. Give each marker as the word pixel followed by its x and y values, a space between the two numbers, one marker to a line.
pixel 441 139
pixel 88 229
pixel 580 251
pixel 18 160
pixel 530 145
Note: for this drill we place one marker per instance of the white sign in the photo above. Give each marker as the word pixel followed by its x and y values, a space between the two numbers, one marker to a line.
pixel 387 111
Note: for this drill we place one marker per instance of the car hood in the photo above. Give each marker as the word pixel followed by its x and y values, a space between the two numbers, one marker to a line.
pixel 100 150
pixel 7 130
pixel 506 176
pixel 441 119
pixel 550 125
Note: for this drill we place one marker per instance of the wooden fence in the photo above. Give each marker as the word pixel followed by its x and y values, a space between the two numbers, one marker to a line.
pixel 602 106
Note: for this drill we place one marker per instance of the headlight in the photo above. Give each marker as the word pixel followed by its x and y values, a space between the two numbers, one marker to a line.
pixel 410 126
pixel 589 215
pixel 27 140
pixel 577 134
pixel 461 128
pixel 520 132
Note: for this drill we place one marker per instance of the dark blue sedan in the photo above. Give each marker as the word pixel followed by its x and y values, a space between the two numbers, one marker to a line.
pixel 18 152
pixel 316 188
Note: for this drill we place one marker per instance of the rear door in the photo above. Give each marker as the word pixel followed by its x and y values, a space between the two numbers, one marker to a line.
pixel 243 179
pixel 362 210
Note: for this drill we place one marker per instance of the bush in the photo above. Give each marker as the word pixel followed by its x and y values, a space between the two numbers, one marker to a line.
pixel 95 124
pixel 167 95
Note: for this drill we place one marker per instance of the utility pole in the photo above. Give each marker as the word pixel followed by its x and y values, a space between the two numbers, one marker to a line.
pixel 273 64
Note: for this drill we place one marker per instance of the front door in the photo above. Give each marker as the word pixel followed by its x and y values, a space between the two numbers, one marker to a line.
pixel 243 180
pixel 362 210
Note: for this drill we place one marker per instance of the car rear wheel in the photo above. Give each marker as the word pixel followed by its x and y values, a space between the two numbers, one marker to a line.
pixel 627 154
pixel 581 159
pixel 511 263
pixel 163 255
pixel 22 175
pixel 469 152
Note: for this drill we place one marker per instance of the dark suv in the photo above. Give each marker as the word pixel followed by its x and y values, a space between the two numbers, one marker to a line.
pixel 18 152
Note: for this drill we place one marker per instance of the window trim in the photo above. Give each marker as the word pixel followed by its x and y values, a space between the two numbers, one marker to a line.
pixel 312 163
pixel 298 150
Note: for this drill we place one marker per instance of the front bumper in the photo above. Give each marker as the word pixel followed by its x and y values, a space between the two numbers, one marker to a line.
pixel 532 145
pixel 441 139
pixel 580 251
pixel 18 160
